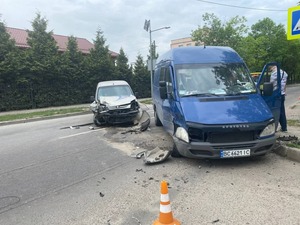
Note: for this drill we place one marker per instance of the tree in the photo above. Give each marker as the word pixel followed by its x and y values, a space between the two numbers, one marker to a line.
pixel 42 62
pixel 123 71
pixel 216 33
pixel 101 66
pixel 43 51
pixel 290 62
pixel 141 78
pixel 7 45
pixel 265 43
pixel 10 61
pixel 7 55
pixel 251 51
pixel 270 40
pixel 73 74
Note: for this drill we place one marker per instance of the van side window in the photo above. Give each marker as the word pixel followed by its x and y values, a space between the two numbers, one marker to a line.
pixel 162 75
pixel 169 82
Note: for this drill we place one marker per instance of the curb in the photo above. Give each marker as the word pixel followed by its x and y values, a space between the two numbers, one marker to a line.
pixel 287 152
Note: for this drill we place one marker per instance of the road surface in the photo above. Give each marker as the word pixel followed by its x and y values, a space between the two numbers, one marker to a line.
pixel 56 172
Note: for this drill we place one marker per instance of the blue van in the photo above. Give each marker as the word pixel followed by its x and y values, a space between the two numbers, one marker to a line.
pixel 206 99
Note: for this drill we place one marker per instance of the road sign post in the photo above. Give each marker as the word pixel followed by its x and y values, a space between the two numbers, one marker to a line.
pixel 293 26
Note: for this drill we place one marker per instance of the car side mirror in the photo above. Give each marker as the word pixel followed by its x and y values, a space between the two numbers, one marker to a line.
pixel 163 89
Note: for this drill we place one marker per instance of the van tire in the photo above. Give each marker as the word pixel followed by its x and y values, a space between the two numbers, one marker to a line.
pixel 156 119
pixel 175 153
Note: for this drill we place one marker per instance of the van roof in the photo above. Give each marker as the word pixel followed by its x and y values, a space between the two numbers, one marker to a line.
pixel 112 83
pixel 201 54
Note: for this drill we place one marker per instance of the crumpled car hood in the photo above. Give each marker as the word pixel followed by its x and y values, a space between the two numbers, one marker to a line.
pixel 112 101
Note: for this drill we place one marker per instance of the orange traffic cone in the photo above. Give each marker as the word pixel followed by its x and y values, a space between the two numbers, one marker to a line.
pixel 165 215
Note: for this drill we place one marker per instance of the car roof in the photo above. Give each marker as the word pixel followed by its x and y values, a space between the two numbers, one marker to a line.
pixel 112 83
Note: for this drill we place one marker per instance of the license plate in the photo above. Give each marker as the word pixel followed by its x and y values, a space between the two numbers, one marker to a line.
pixel 235 153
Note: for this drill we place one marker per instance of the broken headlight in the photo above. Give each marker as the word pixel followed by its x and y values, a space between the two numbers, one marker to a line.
pixel 134 105
pixel 102 107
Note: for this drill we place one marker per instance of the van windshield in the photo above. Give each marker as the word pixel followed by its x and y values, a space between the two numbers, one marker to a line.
pixel 213 79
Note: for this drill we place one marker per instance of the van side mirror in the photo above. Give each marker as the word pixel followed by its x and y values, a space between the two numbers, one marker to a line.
pixel 92 98
pixel 136 94
pixel 268 89
pixel 163 89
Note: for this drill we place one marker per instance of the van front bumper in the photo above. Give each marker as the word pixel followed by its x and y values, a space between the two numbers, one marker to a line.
pixel 213 150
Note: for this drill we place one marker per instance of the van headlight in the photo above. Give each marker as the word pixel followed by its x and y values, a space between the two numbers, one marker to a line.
pixel 182 134
pixel 268 131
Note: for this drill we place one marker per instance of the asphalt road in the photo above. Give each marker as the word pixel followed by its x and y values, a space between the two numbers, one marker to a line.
pixel 52 174
pixel 292 94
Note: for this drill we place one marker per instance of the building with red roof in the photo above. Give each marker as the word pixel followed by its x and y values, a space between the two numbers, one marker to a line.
pixel 20 36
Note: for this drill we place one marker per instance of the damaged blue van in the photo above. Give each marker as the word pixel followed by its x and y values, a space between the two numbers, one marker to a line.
pixel 206 99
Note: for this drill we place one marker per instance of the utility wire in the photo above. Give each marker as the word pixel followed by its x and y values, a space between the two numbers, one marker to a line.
pixel 243 7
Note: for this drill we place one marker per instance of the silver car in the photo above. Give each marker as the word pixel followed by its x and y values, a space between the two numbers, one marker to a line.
pixel 113 103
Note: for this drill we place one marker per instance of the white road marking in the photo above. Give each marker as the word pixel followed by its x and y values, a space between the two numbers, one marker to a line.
pixel 74 135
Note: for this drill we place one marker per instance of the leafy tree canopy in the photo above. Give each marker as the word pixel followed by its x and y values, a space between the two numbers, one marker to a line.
pixel 216 33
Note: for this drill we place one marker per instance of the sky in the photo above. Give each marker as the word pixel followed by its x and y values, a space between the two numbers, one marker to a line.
pixel 122 21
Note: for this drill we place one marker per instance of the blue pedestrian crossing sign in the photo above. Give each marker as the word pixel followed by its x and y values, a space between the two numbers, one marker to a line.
pixel 293 26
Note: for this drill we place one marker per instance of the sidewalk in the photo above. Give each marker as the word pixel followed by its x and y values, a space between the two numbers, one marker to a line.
pixel 292 113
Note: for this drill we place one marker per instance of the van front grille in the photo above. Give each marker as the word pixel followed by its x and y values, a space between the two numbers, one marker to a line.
pixel 235 135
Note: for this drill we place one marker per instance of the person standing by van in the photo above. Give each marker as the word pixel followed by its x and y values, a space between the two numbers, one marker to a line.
pixel 283 79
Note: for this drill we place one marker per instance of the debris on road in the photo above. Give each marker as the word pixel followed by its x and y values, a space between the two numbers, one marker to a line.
pixel 74 127
pixel 141 123
pixel 287 138
pixel 137 220
pixel 155 155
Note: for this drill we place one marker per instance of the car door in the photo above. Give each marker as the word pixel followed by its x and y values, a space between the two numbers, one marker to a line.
pixel 274 100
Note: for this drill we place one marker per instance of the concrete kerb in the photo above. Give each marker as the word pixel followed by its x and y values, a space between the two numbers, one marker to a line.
pixel 288 152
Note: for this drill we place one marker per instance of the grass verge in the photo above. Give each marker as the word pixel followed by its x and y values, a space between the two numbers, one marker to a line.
pixel 38 114
pixel 146 101
pixel 293 123
pixel 294 145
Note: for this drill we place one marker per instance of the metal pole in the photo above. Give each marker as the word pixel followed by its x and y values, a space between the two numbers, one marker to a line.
pixel 147 27
pixel 151 61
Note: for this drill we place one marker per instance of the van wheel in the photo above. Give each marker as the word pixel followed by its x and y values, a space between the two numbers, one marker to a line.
pixel 157 120
pixel 175 153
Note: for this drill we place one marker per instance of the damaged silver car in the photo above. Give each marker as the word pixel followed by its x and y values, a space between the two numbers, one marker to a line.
pixel 114 103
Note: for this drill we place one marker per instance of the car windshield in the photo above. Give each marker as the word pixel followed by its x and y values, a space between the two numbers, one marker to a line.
pixel 116 90
pixel 213 79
